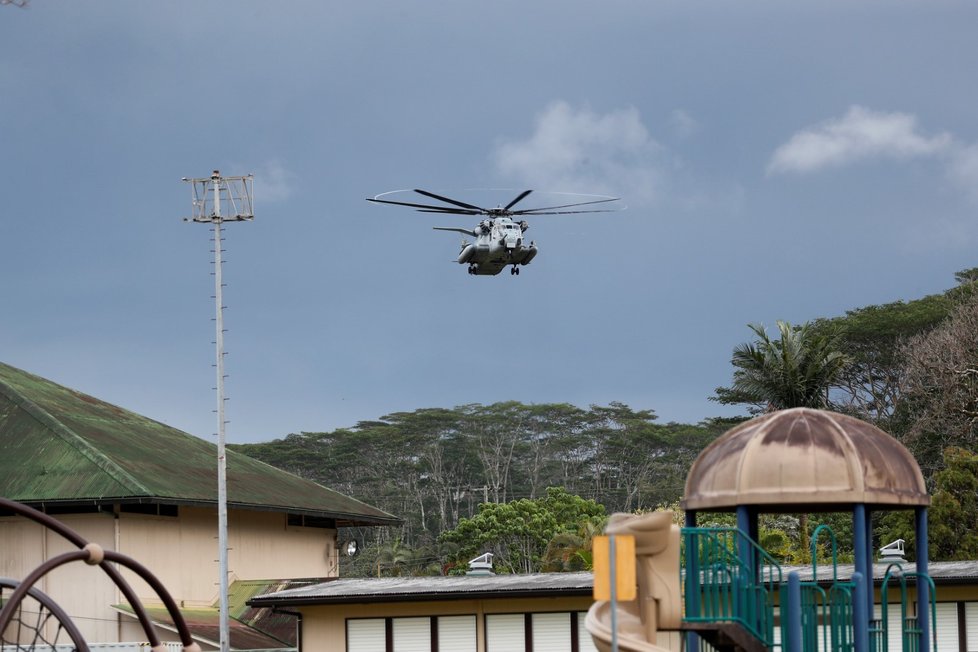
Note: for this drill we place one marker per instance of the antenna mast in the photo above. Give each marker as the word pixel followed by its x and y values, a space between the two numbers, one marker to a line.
pixel 216 200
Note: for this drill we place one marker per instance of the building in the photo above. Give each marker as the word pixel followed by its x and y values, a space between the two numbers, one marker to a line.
pixel 470 613
pixel 149 491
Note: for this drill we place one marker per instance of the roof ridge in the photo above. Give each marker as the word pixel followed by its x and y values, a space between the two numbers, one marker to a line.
pixel 94 455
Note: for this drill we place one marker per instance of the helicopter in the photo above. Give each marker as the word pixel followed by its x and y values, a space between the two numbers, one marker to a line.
pixel 498 238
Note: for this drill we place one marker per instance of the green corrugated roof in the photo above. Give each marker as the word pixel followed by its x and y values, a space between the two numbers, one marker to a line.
pixel 59 445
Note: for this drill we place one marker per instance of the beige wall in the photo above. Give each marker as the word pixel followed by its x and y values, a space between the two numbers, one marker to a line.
pixel 324 627
pixel 181 552
pixel 81 590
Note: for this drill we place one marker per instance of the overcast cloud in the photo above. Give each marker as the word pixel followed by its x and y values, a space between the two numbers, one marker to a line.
pixel 574 147
pixel 779 161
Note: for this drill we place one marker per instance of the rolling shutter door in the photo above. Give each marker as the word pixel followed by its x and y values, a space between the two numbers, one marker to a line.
pixel 946 627
pixel 551 632
pixel 971 624
pixel 456 634
pixel 894 626
pixel 585 642
pixel 366 635
pixel 504 633
pixel 412 634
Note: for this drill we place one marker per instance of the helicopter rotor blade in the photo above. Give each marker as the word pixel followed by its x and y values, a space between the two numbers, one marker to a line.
pixel 470 232
pixel 519 198
pixel 450 201
pixel 593 210
pixel 450 211
pixel 425 207
pixel 531 211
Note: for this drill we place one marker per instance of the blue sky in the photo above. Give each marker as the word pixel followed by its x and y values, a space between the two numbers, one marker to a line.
pixel 779 161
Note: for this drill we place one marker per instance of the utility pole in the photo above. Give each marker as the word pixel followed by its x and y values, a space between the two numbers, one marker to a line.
pixel 216 200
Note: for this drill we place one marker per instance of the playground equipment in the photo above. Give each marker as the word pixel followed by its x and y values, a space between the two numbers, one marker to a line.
pixel 31 620
pixel 658 606
pixel 796 461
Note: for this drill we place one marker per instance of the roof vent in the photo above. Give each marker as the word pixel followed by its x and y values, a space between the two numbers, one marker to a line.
pixel 481 565
pixel 892 552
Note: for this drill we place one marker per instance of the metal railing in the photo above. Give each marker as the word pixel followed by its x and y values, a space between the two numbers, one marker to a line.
pixel 729 578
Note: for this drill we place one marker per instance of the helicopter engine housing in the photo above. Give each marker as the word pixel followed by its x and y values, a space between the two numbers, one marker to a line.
pixel 467 252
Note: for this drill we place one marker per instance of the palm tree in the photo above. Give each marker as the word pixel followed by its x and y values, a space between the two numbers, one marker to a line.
pixel 796 370
pixel 393 558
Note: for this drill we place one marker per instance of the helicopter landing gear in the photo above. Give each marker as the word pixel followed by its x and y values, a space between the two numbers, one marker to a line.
pixel 514 271
pixel 472 269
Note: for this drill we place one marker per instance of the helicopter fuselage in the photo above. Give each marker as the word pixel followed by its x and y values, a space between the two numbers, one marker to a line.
pixel 498 238
pixel 498 242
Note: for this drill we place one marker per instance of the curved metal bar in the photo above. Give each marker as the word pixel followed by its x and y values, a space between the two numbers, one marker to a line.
pixel 111 571
pixel 156 585
pixel 109 555
pixel 63 618
pixel 835 547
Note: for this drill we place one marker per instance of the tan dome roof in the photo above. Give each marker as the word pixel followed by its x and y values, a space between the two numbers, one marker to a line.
pixel 804 457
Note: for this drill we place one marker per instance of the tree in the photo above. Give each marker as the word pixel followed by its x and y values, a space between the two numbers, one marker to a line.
pixel 793 371
pixel 952 515
pixel 939 403
pixel 627 445
pixel 518 533
pixel 869 385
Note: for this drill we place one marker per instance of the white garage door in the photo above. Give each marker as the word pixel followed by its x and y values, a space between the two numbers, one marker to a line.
pixel 551 632
pixel 504 633
pixel 412 634
pixel 456 634
pixel 585 643
pixel 366 635
pixel 946 627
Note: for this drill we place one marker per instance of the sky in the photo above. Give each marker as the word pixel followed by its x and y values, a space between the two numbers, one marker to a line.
pixel 779 161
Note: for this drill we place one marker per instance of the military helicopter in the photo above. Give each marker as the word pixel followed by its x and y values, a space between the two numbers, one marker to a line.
pixel 498 238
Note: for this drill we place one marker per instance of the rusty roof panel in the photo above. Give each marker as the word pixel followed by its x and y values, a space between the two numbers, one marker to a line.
pixel 804 459
pixel 60 445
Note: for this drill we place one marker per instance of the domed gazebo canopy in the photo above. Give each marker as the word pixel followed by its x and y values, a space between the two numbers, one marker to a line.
pixel 804 460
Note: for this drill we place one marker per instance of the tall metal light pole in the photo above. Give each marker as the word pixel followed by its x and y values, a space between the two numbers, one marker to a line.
pixel 216 200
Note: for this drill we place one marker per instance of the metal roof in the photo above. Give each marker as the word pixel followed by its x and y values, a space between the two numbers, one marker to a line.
pixel 251 628
pixel 414 589
pixel 942 572
pixel 804 460
pixel 61 446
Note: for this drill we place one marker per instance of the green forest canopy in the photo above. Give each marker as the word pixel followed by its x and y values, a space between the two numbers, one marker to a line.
pixel 437 468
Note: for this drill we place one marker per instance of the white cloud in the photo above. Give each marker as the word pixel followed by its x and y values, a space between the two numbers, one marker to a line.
pixel 578 150
pixel 860 134
pixel 273 182
pixel 963 170
pixel 683 123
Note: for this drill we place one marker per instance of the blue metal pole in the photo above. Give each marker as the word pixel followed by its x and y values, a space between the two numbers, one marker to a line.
pixel 923 588
pixel 862 549
pixel 744 548
pixel 741 600
pixel 860 619
pixel 755 533
pixel 870 550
